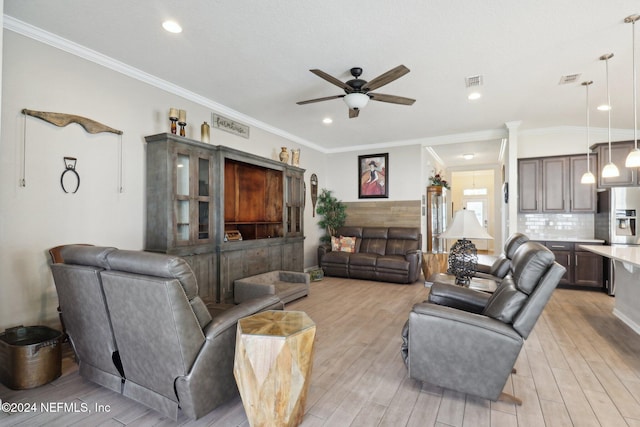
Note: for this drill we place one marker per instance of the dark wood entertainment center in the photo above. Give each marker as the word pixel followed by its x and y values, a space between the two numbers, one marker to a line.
pixel 230 214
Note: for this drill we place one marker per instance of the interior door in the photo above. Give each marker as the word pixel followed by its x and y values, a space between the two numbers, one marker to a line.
pixel 479 207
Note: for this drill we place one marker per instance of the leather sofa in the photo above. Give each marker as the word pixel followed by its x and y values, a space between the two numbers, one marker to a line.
pixel 388 254
pixel 138 327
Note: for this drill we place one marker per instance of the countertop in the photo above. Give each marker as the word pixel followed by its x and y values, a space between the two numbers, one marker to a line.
pixel 630 254
pixel 565 239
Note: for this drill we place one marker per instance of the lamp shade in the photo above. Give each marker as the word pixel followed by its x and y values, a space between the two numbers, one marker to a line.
pixel 465 225
pixel 356 100
pixel 610 170
pixel 588 178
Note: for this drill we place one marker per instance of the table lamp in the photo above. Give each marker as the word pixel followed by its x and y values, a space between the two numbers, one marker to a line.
pixel 463 255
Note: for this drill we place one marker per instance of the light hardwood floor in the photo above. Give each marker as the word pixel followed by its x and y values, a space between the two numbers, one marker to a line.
pixel 580 366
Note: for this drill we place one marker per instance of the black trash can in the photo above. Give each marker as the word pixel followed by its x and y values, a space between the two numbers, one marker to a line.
pixel 30 356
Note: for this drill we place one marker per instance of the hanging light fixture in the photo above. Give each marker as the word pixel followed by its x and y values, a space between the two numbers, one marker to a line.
pixel 588 177
pixel 610 170
pixel 633 158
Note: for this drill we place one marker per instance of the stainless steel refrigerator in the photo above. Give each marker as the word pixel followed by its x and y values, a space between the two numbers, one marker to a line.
pixel 616 222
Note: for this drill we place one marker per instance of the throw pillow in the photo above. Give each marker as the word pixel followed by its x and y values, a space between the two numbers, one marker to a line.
pixel 335 243
pixel 347 244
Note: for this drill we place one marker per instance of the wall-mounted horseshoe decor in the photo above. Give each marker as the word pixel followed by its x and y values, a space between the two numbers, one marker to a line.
pixel 70 166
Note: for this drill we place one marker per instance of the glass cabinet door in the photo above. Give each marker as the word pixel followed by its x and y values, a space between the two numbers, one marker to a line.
pixel 204 183
pixel 294 193
pixel 182 206
pixel 193 184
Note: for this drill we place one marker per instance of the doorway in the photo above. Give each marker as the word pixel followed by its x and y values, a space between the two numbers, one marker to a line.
pixel 479 207
pixel 475 191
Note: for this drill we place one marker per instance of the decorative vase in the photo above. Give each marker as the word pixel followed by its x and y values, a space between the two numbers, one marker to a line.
pixel 204 132
pixel 284 155
pixel 295 157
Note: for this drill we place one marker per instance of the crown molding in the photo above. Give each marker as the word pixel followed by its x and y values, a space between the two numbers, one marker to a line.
pixel 53 40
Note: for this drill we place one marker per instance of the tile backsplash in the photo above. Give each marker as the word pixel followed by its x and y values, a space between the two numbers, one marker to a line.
pixel 550 226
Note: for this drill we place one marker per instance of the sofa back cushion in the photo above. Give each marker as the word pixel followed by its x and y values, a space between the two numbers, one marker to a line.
pixel 505 302
pixel 164 266
pixel 530 262
pixel 95 256
pixel 402 240
pixel 374 240
pixel 513 243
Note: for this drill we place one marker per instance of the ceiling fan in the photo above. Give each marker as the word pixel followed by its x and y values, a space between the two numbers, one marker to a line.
pixel 357 91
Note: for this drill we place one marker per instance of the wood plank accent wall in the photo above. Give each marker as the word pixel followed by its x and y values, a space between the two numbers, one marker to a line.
pixel 403 213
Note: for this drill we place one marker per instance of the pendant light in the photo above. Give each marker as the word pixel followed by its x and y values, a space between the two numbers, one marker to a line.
pixel 633 158
pixel 588 177
pixel 610 170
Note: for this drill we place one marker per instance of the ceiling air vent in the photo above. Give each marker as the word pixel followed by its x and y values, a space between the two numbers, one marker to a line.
pixel 569 78
pixel 473 81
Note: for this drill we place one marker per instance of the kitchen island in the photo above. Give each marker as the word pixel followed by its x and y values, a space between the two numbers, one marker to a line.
pixel 626 264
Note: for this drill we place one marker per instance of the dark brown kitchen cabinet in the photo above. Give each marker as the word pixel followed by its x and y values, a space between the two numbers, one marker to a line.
pixel 619 151
pixel 552 185
pixel 583 196
pixel 583 268
pixel 529 186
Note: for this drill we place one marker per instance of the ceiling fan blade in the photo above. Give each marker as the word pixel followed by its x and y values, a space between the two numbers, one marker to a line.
pixel 332 80
pixel 391 98
pixel 326 98
pixel 353 113
pixel 386 78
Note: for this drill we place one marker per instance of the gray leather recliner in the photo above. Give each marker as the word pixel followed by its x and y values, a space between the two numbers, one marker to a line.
pixel 174 354
pixel 468 340
pixel 500 266
pixel 86 318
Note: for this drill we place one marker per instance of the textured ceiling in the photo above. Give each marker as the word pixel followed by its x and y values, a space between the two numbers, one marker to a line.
pixel 254 57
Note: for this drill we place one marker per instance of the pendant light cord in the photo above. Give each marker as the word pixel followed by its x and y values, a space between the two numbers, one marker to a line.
pixel 588 143
pixel 635 104
pixel 606 62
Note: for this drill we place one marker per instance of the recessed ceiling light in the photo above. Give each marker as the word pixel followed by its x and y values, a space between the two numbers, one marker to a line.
pixel 604 107
pixel 468 156
pixel 172 27
pixel 327 120
pixel 474 96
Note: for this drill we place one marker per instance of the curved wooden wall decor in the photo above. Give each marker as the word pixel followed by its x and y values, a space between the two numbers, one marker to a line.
pixel 62 119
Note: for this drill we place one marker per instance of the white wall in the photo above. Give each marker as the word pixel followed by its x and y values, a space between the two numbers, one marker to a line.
pixel 404 173
pixel 40 215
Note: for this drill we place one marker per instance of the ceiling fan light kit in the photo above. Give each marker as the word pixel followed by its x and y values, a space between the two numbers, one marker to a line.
pixel 356 100
pixel 357 91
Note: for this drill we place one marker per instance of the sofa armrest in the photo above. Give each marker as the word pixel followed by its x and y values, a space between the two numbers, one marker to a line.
pixel 458 297
pixel 415 264
pixel 244 290
pixel 229 318
pixel 322 250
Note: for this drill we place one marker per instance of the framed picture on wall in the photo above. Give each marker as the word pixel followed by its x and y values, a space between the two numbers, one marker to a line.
pixel 373 176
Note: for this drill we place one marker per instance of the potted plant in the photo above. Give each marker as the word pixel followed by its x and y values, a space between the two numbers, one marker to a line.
pixel 334 214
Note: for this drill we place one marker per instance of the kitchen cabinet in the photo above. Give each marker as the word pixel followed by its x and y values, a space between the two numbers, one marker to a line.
pixel 619 151
pixel 552 185
pixel 583 268
pixel 529 186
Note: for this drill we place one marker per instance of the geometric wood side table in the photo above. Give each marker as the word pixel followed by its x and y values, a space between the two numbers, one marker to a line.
pixel 272 366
